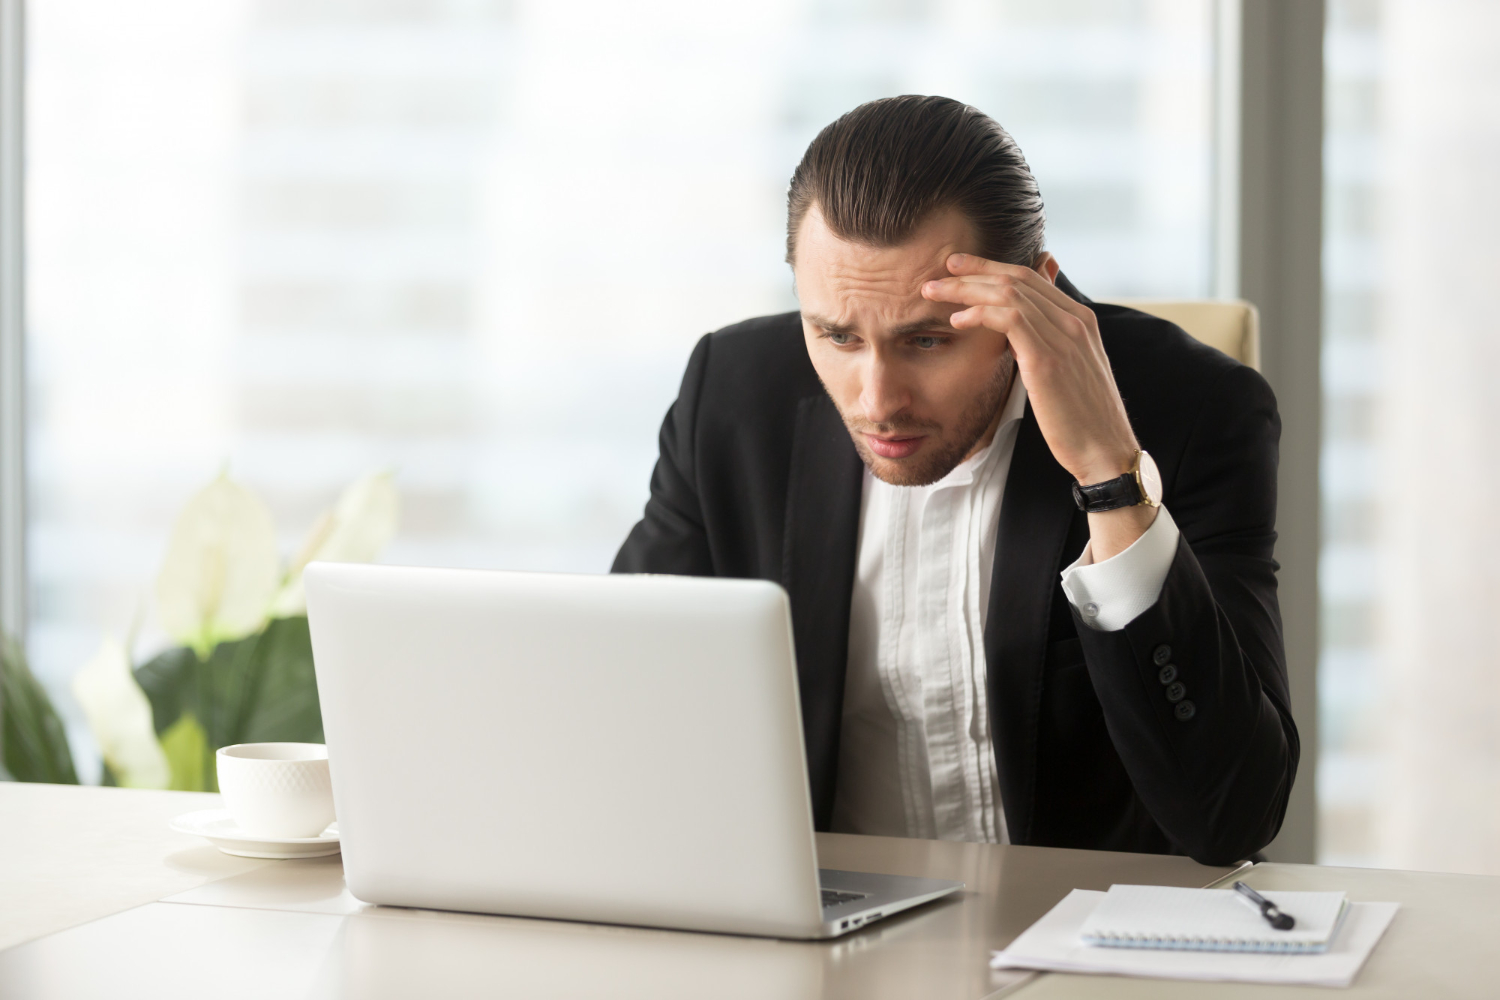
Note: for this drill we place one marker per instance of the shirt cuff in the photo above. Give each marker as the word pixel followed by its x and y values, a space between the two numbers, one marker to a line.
pixel 1109 595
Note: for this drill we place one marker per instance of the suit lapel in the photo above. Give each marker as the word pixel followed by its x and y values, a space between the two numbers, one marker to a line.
pixel 1035 514
pixel 818 564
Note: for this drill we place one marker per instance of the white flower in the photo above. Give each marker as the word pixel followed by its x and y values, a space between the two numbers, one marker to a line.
pixel 221 568
pixel 355 530
pixel 120 717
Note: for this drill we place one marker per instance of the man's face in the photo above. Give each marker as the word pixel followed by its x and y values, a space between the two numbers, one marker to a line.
pixel 917 395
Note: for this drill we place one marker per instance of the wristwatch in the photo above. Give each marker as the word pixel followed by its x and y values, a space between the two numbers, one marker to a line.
pixel 1141 485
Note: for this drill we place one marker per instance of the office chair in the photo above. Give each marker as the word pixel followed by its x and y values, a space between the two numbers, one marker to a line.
pixel 1233 326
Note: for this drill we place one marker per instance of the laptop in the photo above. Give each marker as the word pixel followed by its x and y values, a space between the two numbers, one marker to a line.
pixel 616 749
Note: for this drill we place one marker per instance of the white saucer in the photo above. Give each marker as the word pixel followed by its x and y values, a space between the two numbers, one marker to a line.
pixel 216 825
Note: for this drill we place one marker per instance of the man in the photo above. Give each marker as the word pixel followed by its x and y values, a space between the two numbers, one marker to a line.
pixel 1009 626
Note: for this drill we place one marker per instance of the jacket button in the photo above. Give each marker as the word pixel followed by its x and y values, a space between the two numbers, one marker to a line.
pixel 1176 691
pixel 1168 674
pixel 1184 711
pixel 1161 655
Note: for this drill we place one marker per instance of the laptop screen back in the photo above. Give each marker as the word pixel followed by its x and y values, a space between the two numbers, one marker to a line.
pixel 625 749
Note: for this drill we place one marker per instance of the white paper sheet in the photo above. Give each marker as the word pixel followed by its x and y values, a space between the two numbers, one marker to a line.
pixel 1161 916
pixel 1051 944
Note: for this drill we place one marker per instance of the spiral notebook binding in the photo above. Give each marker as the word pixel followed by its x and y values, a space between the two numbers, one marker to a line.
pixel 1205 944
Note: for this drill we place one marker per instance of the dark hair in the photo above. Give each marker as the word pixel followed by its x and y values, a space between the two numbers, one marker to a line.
pixel 879 171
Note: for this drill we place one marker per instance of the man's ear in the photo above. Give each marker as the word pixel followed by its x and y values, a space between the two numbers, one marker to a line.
pixel 1046 265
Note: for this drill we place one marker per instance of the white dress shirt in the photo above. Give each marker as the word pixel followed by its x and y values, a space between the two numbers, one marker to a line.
pixel 915 755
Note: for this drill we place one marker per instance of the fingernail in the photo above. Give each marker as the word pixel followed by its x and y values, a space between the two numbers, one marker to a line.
pixel 958 258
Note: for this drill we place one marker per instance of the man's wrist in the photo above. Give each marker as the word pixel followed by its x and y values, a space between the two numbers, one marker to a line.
pixel 1113 531
pixel 1106 467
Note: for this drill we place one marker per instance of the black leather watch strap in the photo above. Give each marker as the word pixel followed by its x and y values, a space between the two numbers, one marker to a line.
pixel 1112 494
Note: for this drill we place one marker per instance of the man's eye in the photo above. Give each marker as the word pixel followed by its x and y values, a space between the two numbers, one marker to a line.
pixel 841 339
pixel 927 343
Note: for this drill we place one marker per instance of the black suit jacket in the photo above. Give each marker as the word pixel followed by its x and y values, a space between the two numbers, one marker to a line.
pixel 759 478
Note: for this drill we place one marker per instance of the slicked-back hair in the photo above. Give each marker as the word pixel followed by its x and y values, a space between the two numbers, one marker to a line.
pixel 881 170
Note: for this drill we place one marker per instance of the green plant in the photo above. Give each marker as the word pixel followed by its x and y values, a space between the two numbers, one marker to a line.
pixel 33 744
pixel 253 690
pixel 243 672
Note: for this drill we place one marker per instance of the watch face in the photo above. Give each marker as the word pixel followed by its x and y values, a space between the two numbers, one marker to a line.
pixel 1150 480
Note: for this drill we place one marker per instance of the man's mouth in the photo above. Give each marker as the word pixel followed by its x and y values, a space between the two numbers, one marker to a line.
pixel 894 446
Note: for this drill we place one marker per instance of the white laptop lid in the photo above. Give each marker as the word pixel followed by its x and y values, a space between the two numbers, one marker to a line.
pixel 624 749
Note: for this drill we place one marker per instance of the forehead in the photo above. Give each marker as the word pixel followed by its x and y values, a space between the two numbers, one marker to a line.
pixel 834 275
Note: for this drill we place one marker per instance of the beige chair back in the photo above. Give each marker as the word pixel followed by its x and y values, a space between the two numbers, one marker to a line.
pixel 1231 326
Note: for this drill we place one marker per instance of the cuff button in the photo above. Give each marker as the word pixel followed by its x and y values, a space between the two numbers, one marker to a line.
pixel 1161 655
pixel 1168 674
pixel 1184 711
pixel 1176 691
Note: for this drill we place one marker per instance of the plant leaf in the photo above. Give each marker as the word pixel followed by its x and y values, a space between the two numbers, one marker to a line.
pixel 186 748
pixel 285 704
pixel 33 742
pixel 257 689
pixel 120 717
pixel 170 681
pixel 221 568
pixel 226 689
pixel 355 530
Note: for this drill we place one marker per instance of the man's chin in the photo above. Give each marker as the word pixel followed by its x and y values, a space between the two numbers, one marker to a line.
pixel 921 469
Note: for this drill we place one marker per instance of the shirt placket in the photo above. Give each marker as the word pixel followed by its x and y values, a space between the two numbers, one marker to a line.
pixel 945 689
pixel 901 686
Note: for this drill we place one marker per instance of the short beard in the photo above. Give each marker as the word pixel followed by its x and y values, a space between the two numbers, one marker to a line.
pixel 926 469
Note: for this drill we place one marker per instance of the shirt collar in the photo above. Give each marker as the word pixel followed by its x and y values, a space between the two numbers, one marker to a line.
pixel 969 469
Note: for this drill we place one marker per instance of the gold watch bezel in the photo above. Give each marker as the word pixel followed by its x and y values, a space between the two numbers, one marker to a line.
pixel 1140 485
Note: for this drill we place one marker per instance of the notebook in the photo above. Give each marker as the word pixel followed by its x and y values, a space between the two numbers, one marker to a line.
pixel 1161 916
pixel 1051 944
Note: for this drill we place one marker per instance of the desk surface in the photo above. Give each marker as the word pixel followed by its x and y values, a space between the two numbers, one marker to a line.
pixel 71 854
pixel 1443 942
pixel 153 913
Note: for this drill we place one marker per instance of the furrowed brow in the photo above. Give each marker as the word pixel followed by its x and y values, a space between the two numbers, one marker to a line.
pixel 829 326
pixel 904 330
pixel 922 326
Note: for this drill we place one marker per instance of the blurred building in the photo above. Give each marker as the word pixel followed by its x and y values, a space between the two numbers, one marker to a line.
pixel 475 240
pixel 1350 783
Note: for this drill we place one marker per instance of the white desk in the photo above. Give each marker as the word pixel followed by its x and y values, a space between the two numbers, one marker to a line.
pixel 230 927
pixel 1444 942
pixel 70 854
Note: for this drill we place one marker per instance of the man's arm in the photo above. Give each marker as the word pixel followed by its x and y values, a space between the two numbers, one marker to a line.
pixel 1212 749
pixel 670 538
pixel 1060 358
pixel 1213 759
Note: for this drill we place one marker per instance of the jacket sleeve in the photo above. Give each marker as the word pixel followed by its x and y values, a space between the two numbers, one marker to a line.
pixel 1194 690
pixel 670 537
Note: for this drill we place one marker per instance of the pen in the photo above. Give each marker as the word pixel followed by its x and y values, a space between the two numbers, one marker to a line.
pixel 1274 917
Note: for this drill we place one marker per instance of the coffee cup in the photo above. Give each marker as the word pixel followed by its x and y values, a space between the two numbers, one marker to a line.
pixel 276 789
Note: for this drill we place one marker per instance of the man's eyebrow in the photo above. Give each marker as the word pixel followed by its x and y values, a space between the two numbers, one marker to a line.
pixel 904 330
pixel 828 325
pixel 922 326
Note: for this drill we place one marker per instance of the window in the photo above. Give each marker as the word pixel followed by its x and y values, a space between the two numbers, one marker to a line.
pixel 1348 681
pixel 1410 764
pixel 475 240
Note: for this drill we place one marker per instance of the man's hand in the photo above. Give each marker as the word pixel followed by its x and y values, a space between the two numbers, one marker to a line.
pixel 1068 380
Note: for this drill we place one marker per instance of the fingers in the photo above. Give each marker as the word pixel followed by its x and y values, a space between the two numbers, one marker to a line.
pixel 974 291
pixel 968 263
pixel 978 269
pixel 1009 323
pixel 1061 317
pixel 1019 297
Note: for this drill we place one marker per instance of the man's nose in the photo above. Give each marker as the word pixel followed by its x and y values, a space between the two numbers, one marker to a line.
pixel 884 394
